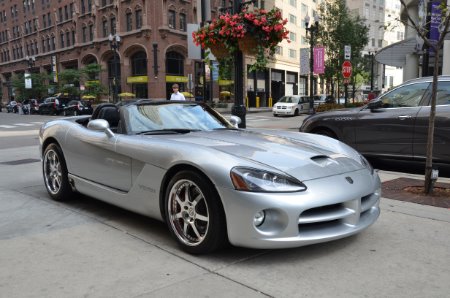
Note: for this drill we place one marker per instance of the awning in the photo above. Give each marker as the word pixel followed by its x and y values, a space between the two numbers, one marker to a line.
pixel 395 54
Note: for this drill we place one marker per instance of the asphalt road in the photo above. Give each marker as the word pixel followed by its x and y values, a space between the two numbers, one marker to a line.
pixel 86 248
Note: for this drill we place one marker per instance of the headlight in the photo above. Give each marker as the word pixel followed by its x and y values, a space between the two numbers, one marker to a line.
pixel 248 179
pixel 366 163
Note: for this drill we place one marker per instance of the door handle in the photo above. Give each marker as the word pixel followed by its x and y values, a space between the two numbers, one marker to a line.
pixel 404 117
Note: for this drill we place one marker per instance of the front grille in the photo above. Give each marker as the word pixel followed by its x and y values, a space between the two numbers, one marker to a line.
pixel 326 218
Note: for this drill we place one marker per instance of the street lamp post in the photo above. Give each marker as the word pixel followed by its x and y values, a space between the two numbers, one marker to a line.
pixel 239 108
pixel 114 42
pixel 31 61
pixel 371 72
pixel 312 29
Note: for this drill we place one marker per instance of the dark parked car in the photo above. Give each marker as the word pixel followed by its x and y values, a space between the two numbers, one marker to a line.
pixel 53 105
pixel 394 125
pixel 77 107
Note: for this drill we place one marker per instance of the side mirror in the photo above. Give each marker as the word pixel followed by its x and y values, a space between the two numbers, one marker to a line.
pixel 235 120
pixel 100 125
pixel 375 105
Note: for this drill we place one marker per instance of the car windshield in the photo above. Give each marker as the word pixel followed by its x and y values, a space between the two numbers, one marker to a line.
pixel 288 99
pixel 177 117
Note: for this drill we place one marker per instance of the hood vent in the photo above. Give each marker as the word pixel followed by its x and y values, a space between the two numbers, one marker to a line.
pixel 324 160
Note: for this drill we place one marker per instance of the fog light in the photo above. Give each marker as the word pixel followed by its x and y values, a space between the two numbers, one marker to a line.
pixel 259 218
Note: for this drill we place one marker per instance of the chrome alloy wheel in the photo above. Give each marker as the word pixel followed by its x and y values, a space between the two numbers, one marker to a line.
pixel 189 213
pixel 52 172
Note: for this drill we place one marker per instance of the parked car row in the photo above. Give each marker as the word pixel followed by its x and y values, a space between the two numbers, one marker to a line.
pixel 51 106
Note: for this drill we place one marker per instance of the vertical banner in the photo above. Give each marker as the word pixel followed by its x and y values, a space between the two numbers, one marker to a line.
pixel 54 70
pixel 435 22
pixel 304 61
pixel 319 60
pixel 28 83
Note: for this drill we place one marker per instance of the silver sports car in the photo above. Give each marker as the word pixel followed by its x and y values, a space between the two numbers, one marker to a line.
pixel 212 183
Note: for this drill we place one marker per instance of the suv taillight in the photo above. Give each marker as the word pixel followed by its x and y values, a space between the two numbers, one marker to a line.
pixel 78 106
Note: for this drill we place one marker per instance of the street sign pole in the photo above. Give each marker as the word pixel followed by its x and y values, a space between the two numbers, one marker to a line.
pixel 346 73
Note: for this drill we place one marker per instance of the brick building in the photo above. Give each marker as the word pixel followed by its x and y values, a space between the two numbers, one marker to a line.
pixel 68 34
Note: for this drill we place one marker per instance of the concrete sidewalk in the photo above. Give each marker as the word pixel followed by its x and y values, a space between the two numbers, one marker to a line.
pixel 86 248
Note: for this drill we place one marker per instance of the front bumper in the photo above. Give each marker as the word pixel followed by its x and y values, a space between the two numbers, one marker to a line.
pixel 283 112
pixel 331 208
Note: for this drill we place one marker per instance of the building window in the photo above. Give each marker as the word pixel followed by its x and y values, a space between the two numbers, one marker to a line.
pixel 62 40
pixel 292 36
pixel 139 64
pixel 293 3
pixel 113 25
pixel 60 14
pixel 279 50
pixel 83 8
pixel 89 5
pixel 138 19
pixel 172 19
pixel 49 19
pixel 72 10
pixel 44 20
pixel 73 37
pixel 91 32
pixel 105 28
pixel 43 46
pixel 174 63
pixel 53 43
pixel 292 53
pixel 66 12
pixel 83 33
pixel 182 22
pixel 292 19
pixel 129 18
pixel 68 38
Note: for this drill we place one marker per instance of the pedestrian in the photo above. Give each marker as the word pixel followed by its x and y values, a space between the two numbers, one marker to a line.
pixel 176 95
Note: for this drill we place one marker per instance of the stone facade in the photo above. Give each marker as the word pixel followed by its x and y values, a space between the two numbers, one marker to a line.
pixel 152 53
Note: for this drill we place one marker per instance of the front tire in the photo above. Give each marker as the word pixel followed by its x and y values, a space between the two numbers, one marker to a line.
pixel 55 174
pixel 194 213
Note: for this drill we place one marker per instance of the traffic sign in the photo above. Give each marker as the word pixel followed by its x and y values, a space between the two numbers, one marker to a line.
pixel 346 69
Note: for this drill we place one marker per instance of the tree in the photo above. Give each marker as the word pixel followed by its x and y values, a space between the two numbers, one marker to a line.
pixel 90 75
pixel 39 87
pixel 337 28
pixel 69 81
pixel 422 29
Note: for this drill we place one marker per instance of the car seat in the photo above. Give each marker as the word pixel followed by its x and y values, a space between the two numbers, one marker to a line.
pixel 110 114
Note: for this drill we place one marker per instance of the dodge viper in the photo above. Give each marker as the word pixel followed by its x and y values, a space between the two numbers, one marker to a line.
pixel 211 182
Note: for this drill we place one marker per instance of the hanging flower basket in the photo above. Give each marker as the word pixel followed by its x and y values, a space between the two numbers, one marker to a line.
pixel 256 32
pixel 248 45
pixel 219 51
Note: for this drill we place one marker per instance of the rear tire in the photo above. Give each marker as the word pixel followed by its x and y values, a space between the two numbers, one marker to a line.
pixel 194 213
pixel 55 174
pixel 296 113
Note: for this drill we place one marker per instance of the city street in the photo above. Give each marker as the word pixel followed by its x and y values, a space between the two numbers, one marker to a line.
pixel 87 248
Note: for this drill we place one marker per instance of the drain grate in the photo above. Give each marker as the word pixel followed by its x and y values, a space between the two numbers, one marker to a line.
pixel 20 161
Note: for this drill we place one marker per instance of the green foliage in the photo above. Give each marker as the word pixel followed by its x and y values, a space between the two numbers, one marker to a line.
pixel 39 87
pixel 337 28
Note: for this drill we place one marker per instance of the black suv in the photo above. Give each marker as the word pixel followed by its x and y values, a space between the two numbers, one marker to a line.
pixel 53 105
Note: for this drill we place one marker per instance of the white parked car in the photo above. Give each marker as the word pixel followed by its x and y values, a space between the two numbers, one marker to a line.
pixel 291 105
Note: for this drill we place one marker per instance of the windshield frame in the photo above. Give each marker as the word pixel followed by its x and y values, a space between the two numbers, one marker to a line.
pixel 147 116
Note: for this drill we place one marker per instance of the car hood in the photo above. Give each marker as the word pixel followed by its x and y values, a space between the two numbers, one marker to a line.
pixel 288 104
pixel 304 156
